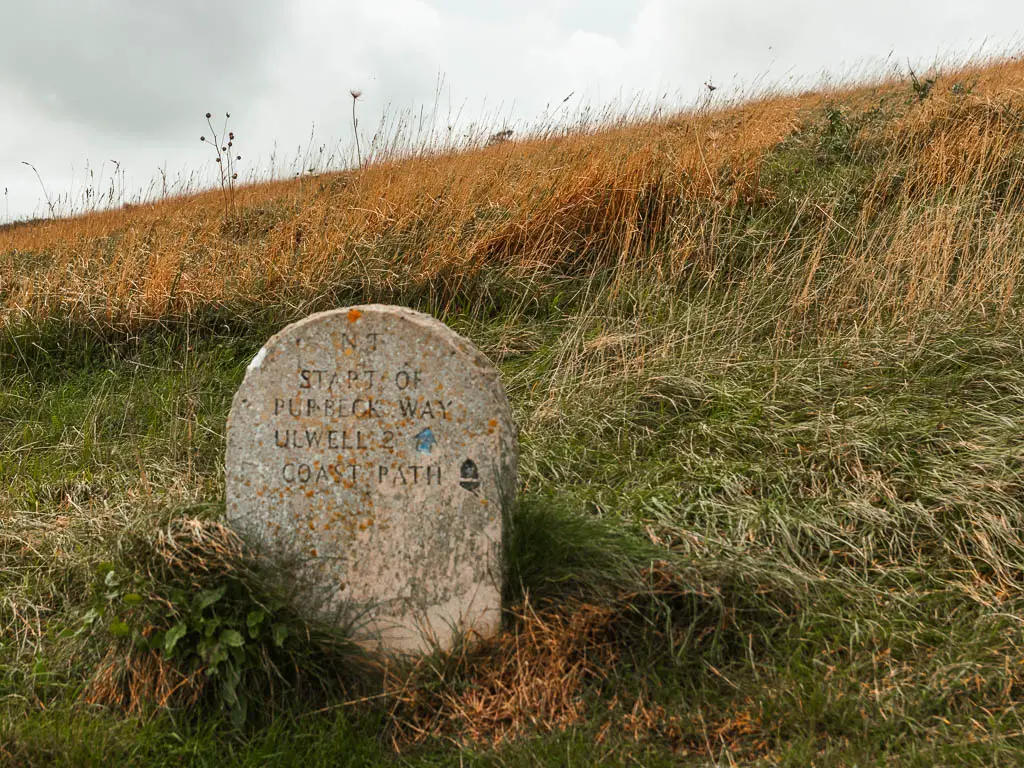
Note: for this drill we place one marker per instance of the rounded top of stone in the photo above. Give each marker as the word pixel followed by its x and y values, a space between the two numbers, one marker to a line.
pixel 362 312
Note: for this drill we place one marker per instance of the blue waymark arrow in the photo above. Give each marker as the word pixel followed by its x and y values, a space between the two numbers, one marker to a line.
pixel 425 441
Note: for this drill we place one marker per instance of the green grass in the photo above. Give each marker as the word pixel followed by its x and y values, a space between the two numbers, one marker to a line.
pixel 843 522
pixel 806 541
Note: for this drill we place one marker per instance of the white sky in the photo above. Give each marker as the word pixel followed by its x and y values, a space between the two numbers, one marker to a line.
pixel 89 82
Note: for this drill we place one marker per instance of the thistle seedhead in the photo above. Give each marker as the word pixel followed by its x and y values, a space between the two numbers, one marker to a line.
pixel 356 93
pixel 225 160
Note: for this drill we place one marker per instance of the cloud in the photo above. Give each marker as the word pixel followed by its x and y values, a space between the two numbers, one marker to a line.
pixel 136 68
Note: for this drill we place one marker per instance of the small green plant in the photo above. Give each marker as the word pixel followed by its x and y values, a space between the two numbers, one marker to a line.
pixel 216 632
pixel 838 136
pixel 223 633
pixel 226 159
pixel 964 88
pixel 922 88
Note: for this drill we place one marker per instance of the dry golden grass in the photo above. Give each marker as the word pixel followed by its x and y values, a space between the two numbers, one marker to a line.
pixel 526 206
pixel 601 199
pixel 136 681
pixel 655 196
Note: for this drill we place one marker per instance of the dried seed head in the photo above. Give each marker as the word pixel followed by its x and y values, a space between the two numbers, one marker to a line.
pixel 202 138
pixel 234 176
pixel 207 115
pixel 238 158
pixel 218 159
pixel 231 134
pixel 356 93
pixel 227 114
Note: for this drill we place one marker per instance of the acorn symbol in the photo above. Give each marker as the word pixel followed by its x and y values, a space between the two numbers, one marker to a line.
pixel 469 476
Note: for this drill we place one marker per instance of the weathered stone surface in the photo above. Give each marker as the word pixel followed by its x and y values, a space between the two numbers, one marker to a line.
pixel 373 450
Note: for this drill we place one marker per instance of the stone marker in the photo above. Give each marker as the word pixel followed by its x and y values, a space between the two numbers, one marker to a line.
pixel 372 450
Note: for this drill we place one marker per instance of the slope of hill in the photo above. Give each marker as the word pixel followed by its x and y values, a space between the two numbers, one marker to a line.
pixel 767 366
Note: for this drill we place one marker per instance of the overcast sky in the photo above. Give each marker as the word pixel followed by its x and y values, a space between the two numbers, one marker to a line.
pixel 86 83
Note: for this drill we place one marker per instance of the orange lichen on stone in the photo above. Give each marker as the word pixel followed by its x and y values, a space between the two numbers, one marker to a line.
pixel 354 314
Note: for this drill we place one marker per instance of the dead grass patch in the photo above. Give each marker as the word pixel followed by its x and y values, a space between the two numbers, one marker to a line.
pixel 530 678
pixel 135 681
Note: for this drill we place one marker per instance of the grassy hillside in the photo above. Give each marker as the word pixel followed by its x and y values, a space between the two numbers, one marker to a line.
pixel 768 367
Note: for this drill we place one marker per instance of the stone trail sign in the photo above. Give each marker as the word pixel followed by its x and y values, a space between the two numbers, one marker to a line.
pixel 372 449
